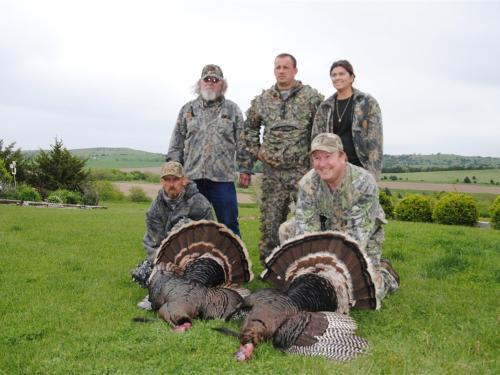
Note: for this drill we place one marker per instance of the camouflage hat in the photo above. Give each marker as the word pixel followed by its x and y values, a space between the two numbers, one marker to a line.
pixel 172 168
pixel 328 142
pixel 212 70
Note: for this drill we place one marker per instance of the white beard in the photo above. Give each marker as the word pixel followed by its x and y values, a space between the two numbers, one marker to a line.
pixel 209 95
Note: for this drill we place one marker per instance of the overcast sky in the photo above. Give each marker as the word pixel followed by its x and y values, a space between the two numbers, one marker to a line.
pixel 115 73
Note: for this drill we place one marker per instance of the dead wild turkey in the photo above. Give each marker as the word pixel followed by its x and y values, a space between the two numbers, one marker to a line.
pixel 321 276
pixel 197 273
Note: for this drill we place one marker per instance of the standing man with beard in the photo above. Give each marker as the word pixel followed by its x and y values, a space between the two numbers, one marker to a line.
pixel 286 112
pixel 208 141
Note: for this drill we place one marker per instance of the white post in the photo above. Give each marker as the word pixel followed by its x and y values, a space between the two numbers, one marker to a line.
pixel 13 171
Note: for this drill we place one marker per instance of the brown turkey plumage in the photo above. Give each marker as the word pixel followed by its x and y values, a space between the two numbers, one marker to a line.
pixel 321 276
pixel 198 272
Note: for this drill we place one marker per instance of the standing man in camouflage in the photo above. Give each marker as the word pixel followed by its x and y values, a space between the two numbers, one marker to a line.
pixel 208 141
pixel 286 111
pixel 337 195
pixel 178 202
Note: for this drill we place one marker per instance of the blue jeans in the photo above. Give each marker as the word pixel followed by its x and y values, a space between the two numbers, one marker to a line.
pixel 222 196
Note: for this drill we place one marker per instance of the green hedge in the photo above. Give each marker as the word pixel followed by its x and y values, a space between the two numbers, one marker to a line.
pixel 456 208
pixel 495 213
pixel 414 207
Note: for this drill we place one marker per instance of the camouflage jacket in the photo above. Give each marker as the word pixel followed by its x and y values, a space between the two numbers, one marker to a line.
pixel 353 209
pixel 366 128
pixel 208 140
pixel 287 126
pixel 164 213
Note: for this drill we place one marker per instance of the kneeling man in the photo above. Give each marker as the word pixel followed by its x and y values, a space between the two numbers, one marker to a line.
pixel 337 195
pixel 177 202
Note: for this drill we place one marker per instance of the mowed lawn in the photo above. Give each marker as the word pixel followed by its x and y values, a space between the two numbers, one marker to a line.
pixel 67 302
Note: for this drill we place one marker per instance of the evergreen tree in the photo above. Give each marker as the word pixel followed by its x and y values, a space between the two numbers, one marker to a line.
pixel 58 169
pixel 8 155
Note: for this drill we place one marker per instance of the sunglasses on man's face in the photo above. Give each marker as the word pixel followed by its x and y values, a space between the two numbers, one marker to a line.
pixel 211 79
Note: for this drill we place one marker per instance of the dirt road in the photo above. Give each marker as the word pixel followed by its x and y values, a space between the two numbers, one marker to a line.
pixel 464 188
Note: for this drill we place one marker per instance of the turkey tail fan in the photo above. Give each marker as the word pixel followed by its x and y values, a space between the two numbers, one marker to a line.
pixel 331 255
pixel 206 238
pixel 325 334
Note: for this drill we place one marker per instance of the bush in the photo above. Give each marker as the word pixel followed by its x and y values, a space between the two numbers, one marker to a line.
pixel 66 196
pixel 386 203
pixel 109 192
pixel 52 198
pixel 27 193
pixel 90 195
pixel 495 213
pixel 414 207
pixel 456 208
pixel 58 169
pixel 137 194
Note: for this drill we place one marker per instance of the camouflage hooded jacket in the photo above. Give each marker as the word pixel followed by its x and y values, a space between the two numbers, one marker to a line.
pixel 366 128
pixel 208 140
pixel 353 209
pixel 287 126
pixel 165 212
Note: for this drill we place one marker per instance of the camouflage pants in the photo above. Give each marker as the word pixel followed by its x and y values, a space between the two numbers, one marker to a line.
pixel 384 282
pixel 279 189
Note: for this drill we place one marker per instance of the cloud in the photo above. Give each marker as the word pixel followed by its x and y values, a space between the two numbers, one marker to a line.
pixel 116 73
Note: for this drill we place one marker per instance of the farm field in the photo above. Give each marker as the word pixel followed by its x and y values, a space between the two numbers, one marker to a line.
pixel 483 176
pixel 119 158
pixel 67 302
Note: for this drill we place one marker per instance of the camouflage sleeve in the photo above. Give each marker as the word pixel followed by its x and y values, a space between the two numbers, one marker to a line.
pixel 176 148
pixel 375 139
pixel 252 129
pixel 154 233
pixel 243 156
pixel 316 101
pixel 306 213
pixel 364 215
pixel 200 208
pixel 320 124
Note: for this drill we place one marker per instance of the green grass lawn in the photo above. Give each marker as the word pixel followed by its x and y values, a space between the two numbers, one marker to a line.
pixel 483 176
pixel 67 302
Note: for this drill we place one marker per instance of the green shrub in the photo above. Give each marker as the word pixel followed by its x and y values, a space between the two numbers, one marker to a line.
pixel 5 176
pixel 386 203
pixel 27 193
pixel 414 207
pixel 90 195
pixel 109 192
pixel 137 194
pixel 68 196
pixel 456 208
pixel 53 198
pixel 495 213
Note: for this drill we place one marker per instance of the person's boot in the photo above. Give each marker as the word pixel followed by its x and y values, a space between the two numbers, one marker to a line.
pixel 384 263
pixel 145 304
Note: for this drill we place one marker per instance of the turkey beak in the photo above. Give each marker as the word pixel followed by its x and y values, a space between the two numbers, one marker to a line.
pixel 244 353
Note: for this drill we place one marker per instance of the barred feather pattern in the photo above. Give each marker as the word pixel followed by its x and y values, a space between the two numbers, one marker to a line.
pixel 338 342
pixel 274 315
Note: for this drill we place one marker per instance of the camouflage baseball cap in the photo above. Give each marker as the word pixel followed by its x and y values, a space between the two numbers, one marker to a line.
pixel 328 142
pixel 172 168
pixel 212 70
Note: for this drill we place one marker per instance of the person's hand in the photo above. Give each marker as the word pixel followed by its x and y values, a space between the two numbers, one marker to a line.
pixel 244 180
